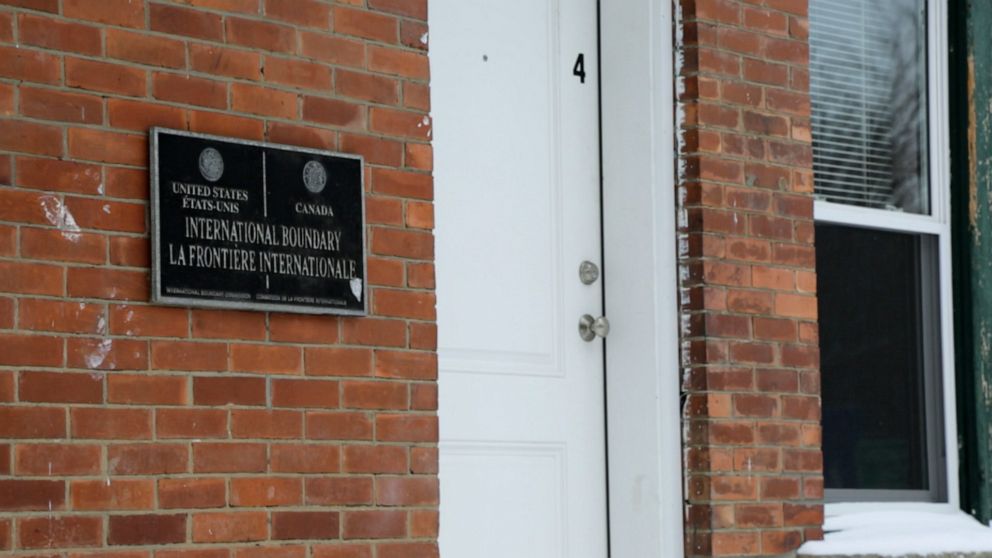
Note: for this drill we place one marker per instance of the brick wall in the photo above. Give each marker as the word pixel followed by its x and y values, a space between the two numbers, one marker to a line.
pixel 753 462
pixel 135 430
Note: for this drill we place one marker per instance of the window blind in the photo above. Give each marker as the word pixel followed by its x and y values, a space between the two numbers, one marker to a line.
pixel 867 70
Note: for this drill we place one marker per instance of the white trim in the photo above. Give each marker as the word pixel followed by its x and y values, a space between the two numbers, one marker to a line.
pixel 640 278
pixel 937 224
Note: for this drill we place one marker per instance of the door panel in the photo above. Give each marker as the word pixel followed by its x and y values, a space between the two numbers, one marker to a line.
pixel 517 192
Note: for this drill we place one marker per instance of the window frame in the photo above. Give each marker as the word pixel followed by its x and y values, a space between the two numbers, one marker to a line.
pixel 937 224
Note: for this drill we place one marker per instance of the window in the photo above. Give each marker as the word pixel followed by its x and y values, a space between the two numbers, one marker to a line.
pixel 882 248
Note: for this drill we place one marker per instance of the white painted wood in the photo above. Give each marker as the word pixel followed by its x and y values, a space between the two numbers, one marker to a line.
pixel 641 283
pixel 938 223
pixel 523 456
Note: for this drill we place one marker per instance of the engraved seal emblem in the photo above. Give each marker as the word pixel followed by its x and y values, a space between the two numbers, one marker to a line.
pixel 211 164
pixel 314 176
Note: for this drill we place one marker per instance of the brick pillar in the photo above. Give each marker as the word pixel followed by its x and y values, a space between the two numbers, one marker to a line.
pixel 752 449
pixel 128 429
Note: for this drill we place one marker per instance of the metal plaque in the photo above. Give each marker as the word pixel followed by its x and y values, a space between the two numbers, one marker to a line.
pixel 257 226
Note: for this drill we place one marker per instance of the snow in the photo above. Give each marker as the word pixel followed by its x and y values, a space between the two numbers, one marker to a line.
pixel 900 532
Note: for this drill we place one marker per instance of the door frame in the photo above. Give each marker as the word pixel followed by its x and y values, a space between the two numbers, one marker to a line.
pixel 637 83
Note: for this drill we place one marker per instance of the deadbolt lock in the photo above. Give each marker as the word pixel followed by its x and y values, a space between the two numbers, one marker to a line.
pixel 591 328
pixel 588 272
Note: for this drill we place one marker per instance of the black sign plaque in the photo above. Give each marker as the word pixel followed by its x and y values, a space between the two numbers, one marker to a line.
pixel 256 226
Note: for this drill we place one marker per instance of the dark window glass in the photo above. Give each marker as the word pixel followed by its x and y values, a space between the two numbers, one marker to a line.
pixel 877 293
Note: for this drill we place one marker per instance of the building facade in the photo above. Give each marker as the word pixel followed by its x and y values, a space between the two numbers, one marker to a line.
pixel 643 278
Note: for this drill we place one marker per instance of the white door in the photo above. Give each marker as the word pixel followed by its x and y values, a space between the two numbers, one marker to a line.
pixel 523 455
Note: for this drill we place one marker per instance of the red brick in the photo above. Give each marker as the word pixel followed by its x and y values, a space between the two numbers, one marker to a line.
pixel 305 393
pixel 31 495
pixel 374 459
pixel 266 491
pixel 305 458
pixel 343 551
pixel 48 244
pixel 117 494
pixel 306 136
pixel 189 90
pixel 29 137
pixel 138 115
pixel 222 124
pixel 263 101
pixel 114 12
pixel 54 34
pixel 54 315
pixel 40 460
pixel 147 390
pixel 62 106
pixel 104 77
pixel 406 365
pixel 108 147
pixel 299 12
pixel 146 529
pixel 216 391
pixel 333 361
pixel 339 491
pixel 127 183
pixel 403 243
pixel 30 350
pixel 406 491
pixel 369 331
pixel 266 359
pixel 30 65
pixel 227 324
pixel 261 34
pixel 333 112
pixel 191 423
pixel 365 24
pixel 298 328
pixel 410 8
pixel 192 493
pixel 155 321
pixel 115 424
pixel 404 304
pixel 423 460
pixel 145 49
pixel 334 50
pixel 60 532
pixel 229 527
pixel 305 525
pixel 147 459
pixel 367 87
pixel 374 395
pixel 58 387
pixel 32 422
pixel 338 426
pixel 406 428
pixel 106 353
pixel 266 424
pixel 229 458
pixel 377 151
pixel 404 124
pixel 51 6
pixel 398 62
pixel 180 355
pixel 228 62
pixel 174 20
pixel 407 550
pixel 297 73
pixel 403 184
pixel 374 524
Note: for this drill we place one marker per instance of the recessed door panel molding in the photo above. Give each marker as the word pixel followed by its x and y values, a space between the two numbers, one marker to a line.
pixel 507 141
pixel 521 497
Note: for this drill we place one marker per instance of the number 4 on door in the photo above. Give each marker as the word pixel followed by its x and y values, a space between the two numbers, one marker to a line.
pixel 580 68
